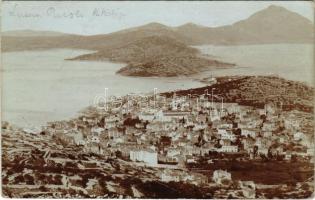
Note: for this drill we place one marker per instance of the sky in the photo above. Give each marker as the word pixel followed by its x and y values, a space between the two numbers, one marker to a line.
pixel 89 18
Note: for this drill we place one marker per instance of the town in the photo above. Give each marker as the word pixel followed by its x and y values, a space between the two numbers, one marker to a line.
pixel 229 150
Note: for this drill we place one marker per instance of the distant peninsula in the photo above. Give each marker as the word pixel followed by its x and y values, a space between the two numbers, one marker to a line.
pixel 155 56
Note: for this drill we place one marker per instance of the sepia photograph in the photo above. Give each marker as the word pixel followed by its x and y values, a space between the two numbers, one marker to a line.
pixel 157 99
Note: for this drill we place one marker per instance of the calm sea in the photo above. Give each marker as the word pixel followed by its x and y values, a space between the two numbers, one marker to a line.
pixel 40 86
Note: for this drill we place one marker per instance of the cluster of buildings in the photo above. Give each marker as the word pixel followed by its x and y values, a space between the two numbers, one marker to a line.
pixel 178 131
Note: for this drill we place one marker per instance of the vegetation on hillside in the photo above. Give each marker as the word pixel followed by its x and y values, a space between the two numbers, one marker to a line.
pixel 257 91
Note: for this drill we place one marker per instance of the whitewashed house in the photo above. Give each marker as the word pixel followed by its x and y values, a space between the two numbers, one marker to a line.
pixel 228 149
pixel 144 155
pixel 220 175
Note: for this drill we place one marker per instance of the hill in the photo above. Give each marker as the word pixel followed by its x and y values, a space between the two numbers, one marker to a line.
pixel 274 24
pixel 15 41
pixel 35 43
pixel 257 91
pixel 32 33
pixel 155 56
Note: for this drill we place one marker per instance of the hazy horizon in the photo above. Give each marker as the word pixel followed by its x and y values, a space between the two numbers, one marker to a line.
pixel 87 18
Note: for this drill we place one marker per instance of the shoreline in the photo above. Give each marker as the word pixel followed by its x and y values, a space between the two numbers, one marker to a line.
pixel 208 83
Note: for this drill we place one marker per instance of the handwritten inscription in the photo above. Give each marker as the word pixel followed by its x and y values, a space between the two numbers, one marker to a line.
pixel 101 12
pixel 53 12
pixel 19 12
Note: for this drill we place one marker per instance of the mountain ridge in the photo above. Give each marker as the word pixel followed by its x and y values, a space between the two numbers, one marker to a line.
pixel 273 24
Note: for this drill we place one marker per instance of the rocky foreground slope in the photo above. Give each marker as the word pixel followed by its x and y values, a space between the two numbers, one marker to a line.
pixel 35 166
